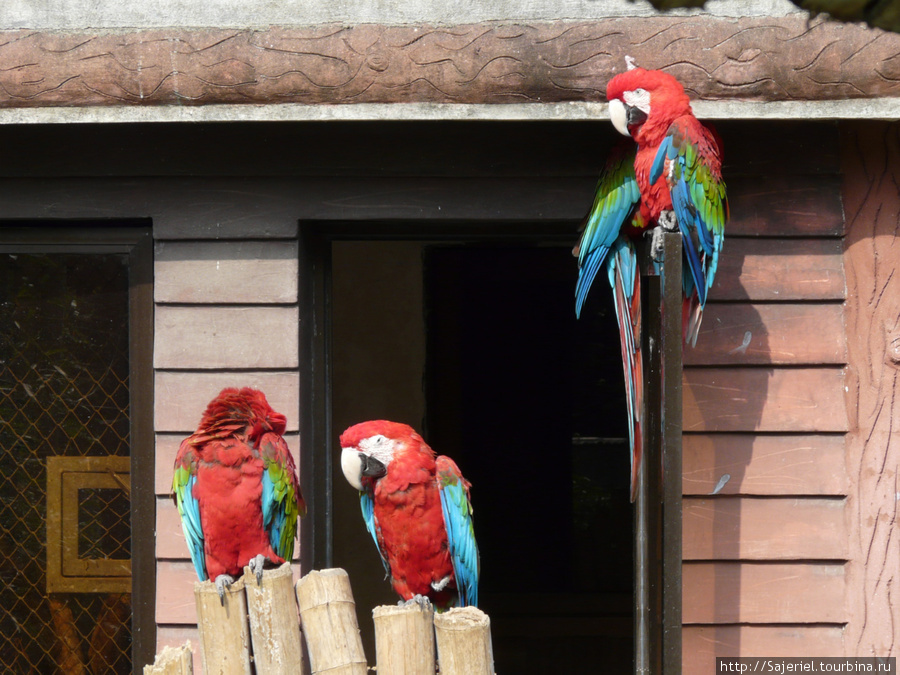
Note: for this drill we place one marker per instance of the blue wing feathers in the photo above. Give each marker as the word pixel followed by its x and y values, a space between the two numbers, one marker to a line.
pixel 659 162
pixel 699 202
pixel 461 540
pixel 688 223
pixel 274 518
pixel 192 527
pixel 616 195
pixel 367 504
pixel 268 499
pixel 586 276
pixel 457 512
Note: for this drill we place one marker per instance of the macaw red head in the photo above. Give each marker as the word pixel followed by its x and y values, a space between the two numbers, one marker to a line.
pixel 368 448
pixel 643 103
pixel 245 407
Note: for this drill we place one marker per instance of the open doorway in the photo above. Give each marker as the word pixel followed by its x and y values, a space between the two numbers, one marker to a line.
pixel 476 345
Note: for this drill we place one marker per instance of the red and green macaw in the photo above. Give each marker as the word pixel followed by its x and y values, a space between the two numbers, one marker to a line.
pixel 416 508
pixel 236 488
pixel 670 175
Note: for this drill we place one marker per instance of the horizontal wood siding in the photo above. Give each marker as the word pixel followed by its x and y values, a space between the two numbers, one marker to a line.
pixel 765 479
pixel 764 593
pixel 749 464
pixel 761 334
pixel 779 270
pixel 804 206
pixel 738 528
pixel 175 581
pixel 227 313
pixel 216 338
pixel 181 396
pixel 764 399
pixel 702 644
pixel 226 272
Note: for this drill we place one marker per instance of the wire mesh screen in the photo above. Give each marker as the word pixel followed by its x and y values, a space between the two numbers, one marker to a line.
pixel 104 528
pixel 63 392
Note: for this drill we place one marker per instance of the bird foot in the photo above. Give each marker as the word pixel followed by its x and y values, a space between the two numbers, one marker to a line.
pixel 420 600
pixel 256 565
pixel 668 221
pixel 222 581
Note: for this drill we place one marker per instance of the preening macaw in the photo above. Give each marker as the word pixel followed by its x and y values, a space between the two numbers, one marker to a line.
pixel 670 176
pixel 236 488
pixel 416 508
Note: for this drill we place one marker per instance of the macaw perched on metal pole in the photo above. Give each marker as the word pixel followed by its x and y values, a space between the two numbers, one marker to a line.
pixel 416 508
pixel 671 176
pixel 678 167
pixel 236 488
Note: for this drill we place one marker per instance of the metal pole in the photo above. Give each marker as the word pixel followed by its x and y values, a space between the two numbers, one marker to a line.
pixel 657 518
pixel 648 503
pixel 671 359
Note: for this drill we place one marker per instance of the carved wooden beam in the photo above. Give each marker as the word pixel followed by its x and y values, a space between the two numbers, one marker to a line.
pixel 787 58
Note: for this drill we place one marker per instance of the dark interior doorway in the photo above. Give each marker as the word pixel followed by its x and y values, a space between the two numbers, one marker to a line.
pixel 477 346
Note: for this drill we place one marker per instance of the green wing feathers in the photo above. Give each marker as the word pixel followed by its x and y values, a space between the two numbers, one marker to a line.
pixel 282 502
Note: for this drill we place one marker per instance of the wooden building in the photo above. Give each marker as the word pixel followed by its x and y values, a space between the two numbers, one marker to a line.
pixel 375 219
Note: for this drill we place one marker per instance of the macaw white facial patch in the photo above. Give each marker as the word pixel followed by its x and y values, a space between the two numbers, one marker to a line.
pixel 379 447
pixel 639 98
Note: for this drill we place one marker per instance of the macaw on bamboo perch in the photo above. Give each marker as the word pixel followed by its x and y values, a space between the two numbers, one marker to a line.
pixel 416 508
pixel 668 175
pixel 236 488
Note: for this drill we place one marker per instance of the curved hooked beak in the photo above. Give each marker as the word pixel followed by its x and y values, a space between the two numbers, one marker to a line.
pixel 371 467
pixel 624 116
pixel 357 465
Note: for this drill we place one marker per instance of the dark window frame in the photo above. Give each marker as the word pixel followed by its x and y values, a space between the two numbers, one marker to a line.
pixel 658 523
pixel 314 280
pixel 133 239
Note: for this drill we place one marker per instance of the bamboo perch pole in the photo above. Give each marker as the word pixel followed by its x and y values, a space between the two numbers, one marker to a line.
pixel 274 622
pixel 464 642
pixel 328 613
pixel 404 639
pixel 172 661
pixel 224 630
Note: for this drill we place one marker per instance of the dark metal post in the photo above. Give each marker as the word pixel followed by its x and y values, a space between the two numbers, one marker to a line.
pixel 657 544
pixel 647 507
pixel 671 358
pixel 315 415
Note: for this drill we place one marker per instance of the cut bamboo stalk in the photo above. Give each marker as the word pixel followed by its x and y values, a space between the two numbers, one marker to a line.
pixel 464 642
pixel 172 661
pixel 404 639
pixel 274 622
pixel 224 629
pixel 328 613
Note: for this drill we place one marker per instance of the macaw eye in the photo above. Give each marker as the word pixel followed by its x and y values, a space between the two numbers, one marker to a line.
pixel 378 440
pixel 638 98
